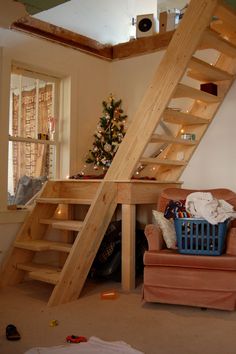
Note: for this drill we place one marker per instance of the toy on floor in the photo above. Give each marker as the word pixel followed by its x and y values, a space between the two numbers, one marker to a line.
pixel 76 339
pixel 53 323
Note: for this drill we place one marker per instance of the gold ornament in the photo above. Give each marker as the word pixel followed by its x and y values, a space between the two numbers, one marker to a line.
pixel 110 97
pixel 107 147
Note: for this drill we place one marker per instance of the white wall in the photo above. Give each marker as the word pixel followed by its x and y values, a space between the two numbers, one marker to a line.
pixel 130 78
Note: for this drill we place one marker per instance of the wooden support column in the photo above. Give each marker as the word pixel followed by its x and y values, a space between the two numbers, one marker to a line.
pixel 128 246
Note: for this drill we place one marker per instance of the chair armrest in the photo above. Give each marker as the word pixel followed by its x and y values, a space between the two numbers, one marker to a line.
pixel 231 241
pixel 154 237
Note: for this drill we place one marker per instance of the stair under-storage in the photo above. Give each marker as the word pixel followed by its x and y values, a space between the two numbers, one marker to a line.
pixel 178 77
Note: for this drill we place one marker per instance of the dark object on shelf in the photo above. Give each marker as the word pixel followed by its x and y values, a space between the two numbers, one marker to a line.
pixel 12 333
pixel 145 24
pixel 42 136
pixel 81 176
pixel 144 178
pixel 107 263
pixel 188 136
pixel 209 88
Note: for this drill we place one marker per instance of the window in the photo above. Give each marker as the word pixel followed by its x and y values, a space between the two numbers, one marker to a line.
pixel 33 142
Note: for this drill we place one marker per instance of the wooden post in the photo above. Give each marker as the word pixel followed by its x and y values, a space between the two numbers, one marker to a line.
pixel 128 246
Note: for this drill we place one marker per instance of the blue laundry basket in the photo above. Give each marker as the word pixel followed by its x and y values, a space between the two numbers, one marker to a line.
pixel 198 236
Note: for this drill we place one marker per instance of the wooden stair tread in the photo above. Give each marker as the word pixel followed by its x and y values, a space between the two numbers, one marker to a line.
pixel 178 117
pixel 227 17
pixel 203 71
pixel 188 91
pixel 41 272
pixel 211 39
pixel 158 161
pixel 64 201
pixel 43 245
pixel 171 139
pixel 73 225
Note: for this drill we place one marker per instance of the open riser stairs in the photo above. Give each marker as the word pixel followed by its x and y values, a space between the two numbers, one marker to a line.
pixel 178 77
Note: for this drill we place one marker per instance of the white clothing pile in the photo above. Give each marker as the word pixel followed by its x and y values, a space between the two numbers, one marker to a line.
pixel 93 346
pixel 203 205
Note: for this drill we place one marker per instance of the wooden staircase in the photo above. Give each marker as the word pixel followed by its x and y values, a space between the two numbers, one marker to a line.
pixel 178 77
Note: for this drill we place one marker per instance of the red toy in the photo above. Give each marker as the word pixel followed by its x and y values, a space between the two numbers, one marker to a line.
pixel 76 339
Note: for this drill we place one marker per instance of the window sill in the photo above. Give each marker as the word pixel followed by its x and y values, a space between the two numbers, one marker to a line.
pixel 13 216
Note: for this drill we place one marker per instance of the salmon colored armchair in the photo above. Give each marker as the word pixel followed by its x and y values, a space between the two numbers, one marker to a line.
pixel 194 280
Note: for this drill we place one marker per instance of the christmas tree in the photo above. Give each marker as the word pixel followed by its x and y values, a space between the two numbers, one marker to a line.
pixel 109 134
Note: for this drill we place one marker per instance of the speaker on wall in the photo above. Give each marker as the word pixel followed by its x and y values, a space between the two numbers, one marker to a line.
pixel 144 25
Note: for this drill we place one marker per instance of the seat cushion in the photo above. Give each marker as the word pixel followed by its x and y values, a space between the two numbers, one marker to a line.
pixel 171 258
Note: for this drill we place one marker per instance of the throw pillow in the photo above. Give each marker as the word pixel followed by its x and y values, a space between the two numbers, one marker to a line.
pixel 167 227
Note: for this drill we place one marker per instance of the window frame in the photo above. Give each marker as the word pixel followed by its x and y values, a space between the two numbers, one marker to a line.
pixel 28 71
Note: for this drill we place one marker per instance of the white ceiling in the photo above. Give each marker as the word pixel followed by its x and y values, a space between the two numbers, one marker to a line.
pixel 107 21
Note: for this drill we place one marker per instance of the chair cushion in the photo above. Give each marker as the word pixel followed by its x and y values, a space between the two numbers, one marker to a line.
pixel 171 258
pixel 167 227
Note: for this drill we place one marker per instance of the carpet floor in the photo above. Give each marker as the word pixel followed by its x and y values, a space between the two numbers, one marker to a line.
pixel 150 328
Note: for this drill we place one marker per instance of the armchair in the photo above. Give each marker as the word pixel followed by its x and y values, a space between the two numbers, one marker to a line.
pixel 174 278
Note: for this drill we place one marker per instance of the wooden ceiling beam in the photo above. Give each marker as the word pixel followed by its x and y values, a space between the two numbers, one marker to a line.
pixel 85 44
pixel 62 36
pixel 142 46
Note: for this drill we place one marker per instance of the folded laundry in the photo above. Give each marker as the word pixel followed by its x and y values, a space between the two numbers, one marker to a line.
pixel 203 205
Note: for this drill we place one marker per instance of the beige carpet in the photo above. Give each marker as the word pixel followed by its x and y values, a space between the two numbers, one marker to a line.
pixel 151 328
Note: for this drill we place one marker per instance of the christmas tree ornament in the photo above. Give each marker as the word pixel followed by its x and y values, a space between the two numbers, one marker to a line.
pixel 107 147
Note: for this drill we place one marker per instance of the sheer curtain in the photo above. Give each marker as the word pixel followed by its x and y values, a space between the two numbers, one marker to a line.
pixel 35 111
